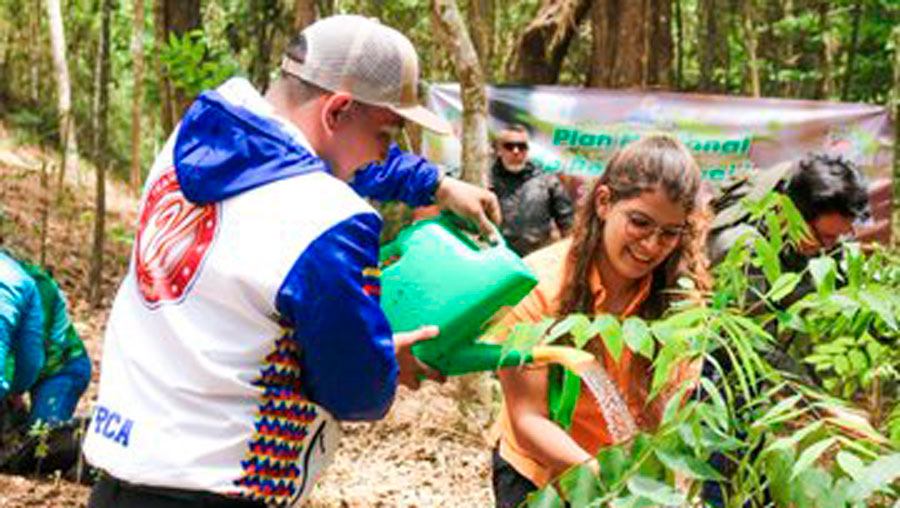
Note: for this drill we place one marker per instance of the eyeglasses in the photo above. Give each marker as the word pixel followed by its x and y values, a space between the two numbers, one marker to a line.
pixel 511 146
pixel 639 226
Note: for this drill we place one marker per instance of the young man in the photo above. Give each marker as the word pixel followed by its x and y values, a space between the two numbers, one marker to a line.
pixel 532 201
pixel 249 321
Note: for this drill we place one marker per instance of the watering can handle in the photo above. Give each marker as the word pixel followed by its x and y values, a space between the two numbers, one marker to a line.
pixel 465 230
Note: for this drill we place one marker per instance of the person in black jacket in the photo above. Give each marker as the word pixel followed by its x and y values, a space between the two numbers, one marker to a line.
pixel 531 201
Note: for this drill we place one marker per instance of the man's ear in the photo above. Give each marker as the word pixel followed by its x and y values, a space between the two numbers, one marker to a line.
pixel 336 106
pixel 602 201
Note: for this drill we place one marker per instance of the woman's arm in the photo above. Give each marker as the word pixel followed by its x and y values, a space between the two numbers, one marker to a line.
pixel 525 391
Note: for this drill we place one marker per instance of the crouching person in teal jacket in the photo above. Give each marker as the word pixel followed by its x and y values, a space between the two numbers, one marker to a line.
pixel 21 329
pixel 39 347
pixel 67 368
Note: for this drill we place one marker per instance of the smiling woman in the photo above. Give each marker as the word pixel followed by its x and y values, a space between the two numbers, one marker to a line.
pixel 636 232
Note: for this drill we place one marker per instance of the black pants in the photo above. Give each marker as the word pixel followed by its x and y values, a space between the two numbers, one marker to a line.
pixel 510 487
pixel 110 492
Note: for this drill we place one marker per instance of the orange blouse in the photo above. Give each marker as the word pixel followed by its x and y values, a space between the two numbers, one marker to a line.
pixel 631 374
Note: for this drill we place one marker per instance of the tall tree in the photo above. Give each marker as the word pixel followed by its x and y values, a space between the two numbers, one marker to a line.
pixel 61 68
pixel 481 25
pixel 96 272
pixel 708 42
pixel 632 43
pixel 540 50
pixel 851 51
pixel 451 29
pixel 750 40
pixel 173 17
pixel 137 56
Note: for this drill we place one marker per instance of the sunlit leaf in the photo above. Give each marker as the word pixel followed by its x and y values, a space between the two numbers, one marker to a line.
pixel 544 498
pixel 638 337
pixel 810 455
pixel 611 331
pixel 655 491
pixel 579 485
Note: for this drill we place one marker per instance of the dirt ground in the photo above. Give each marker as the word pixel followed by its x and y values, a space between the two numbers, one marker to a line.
pixel 430 451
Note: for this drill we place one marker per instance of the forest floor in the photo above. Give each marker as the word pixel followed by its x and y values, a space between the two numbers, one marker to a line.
pixel 430 451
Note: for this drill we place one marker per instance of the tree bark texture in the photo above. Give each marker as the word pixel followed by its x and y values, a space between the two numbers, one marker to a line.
pixel 304 15
pixel 96 272
pixel 540 50
pixel 451 30
pixel 707 43
pixel 481 26
pixel 851 51
pixel 750 40
pixel 61 69
pixel 137 56
pixel 632 43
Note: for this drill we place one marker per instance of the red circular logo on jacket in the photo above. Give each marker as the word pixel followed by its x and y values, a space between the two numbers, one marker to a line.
pixel 173 237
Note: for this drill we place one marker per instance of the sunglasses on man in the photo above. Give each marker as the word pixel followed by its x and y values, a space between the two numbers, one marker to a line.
pixel 512 146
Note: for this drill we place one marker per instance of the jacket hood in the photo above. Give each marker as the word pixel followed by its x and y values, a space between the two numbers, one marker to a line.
pixel 229 142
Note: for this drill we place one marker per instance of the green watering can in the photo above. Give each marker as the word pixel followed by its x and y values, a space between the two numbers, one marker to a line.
pixel 438 274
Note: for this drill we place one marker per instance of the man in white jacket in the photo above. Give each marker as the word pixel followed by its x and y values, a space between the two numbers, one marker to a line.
pixel 249 319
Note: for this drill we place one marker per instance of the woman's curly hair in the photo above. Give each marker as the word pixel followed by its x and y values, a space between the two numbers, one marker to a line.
pixel 656 161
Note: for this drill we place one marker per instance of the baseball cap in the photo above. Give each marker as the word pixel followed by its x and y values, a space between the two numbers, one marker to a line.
pixel 374 62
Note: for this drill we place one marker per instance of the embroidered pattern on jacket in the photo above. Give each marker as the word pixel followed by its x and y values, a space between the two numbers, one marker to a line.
pixel 271 466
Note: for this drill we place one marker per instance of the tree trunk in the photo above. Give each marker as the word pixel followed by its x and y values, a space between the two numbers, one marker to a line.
pixel 96 277
pixel 481 24
pixel 177 17
pixel 137 56
pixel 304 15
pixel 896 92
pixel 264 15
pixel 36 67
pixel 750 39
pixel 851 51
pixel 451 30
pixel 829 48
pixel 659 46
pixel 539 52
pixel 632 43
pixel 708 41
pixel 679 29
pixel 61 68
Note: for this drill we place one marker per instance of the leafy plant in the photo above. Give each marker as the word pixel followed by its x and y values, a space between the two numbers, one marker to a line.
pixel 774 436
pixel 192 65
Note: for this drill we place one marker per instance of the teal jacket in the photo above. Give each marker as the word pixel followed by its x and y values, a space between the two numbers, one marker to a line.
pixel 21 328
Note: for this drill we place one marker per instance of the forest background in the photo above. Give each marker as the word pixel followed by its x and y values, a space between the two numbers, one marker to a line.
pixel 99 84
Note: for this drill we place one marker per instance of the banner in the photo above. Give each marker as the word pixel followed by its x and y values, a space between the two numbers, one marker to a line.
pixel 574 131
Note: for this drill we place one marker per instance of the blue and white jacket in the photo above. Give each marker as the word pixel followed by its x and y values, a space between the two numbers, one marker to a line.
pixel 249 318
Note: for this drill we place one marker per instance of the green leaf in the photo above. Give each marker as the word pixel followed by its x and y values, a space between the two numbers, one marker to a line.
pixel 824 274
pixel 611 331
pixel 544 498
pixel 655 491
pixel 879 303
pixel 810 455
pixel 638 337
pixel 851 464
pixel 777 410
pixel 579 485
pixel 574 324
pixel 613 465
pixel 784 286
pixel 768 260
pixel 790 441
pixel 688 465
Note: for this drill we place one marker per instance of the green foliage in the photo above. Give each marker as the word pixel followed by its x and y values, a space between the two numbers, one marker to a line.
pixel 791 441
pixel 192 66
